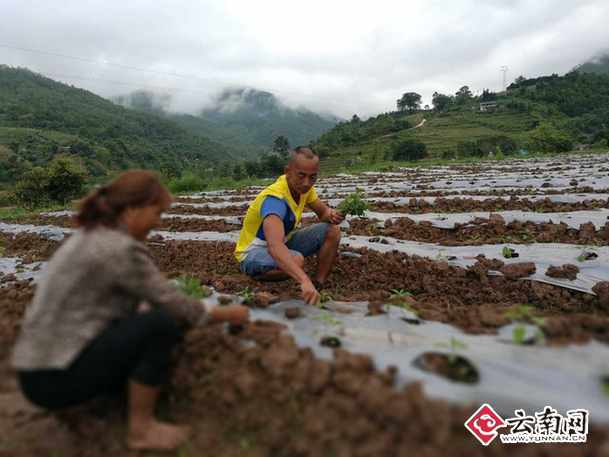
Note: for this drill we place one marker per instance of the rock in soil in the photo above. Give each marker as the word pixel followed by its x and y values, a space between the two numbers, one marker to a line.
pixel 292 312
pixel 567 271
pixel 454 367
pixel 518 270
pixel 602 291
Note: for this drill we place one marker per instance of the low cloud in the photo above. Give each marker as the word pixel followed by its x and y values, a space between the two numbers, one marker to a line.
pixel 343 57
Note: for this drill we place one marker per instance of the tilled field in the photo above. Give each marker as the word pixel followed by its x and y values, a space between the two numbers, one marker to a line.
pixel 285 394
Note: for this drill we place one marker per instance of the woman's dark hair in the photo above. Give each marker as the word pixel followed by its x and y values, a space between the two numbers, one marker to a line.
pixel 132 189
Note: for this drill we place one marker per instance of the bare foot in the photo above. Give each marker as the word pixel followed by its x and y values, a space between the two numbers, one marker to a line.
pixel 158 436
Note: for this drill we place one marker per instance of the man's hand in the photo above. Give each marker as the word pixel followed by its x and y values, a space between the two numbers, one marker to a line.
pixel 309 293
pixel 335 217
pixel 233 314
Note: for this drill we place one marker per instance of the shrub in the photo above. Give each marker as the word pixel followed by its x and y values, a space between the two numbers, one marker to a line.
pixel 408 150
pixel 547 138
pixel 66 179
pixel 188 182
pixel 31 189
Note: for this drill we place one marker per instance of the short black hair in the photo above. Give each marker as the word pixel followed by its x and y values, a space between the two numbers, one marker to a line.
pixel 304 151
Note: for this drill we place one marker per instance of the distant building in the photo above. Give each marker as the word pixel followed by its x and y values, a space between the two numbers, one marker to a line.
pixel 488 106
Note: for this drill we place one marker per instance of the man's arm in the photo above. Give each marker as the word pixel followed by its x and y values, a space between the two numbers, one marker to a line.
pixel 275 234
pixel 325 213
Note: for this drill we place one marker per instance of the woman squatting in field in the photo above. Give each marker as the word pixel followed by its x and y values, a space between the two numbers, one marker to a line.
pixel 89 331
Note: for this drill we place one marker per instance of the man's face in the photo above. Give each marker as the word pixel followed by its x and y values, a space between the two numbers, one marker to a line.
pixel 301 174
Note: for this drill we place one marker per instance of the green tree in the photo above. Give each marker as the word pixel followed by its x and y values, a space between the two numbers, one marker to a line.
pixel 463 95
pixel 408 149
pixel 488 96
pixel 66 178
pixel 238 174
pixel 251 168
pixel 31 189
pixel 281 145
pixel 441 102
pixel 410 101
pixel 547 138
pixel 519 80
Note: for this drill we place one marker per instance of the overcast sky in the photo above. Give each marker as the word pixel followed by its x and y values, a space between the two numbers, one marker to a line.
pixel 339 56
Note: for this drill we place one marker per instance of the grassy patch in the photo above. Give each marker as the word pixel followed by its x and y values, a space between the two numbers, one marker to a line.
pixel 10 213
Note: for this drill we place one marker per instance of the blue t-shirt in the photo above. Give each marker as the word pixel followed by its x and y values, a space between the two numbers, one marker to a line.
pixel 279 207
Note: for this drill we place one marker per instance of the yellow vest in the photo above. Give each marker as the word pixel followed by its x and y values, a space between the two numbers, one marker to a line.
pixel 253 220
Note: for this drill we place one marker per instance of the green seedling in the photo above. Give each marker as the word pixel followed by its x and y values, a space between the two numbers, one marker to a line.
pixel 247 295
pixel 327 318
pixel 193 287
pixel 354 204
pixel 519 335
pixel 453 344
pixel 509 253
pixel 400 293
pixel 524 313
pixel 587 254
pixel 441 256
pixel 325 297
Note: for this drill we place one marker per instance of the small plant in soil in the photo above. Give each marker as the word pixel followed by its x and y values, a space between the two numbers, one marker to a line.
pixel 587 254
pixel 454 345
pixel 327 318
pixel 524 313
pixel 451 366
pixel 519 336
pixel 354 204
pixel 325 297
pixel 193 287
pixel 400 293
pixel 509 253
pixel 441 256
pixel 247 295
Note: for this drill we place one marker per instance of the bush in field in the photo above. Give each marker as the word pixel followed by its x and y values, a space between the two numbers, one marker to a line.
pixel 547 138
pixel 31 189
pixel 66 179
pixel 408 150
pixel 60 182
pixel 482 147
pixel 188 182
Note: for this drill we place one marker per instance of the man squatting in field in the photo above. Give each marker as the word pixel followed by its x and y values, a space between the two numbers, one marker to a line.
pixel 272 247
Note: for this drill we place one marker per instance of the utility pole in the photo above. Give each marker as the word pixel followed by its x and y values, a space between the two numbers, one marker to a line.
pixel 504 69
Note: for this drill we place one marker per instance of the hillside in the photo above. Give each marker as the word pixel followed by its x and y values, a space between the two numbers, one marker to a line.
pixel 598 64
pixel 547 114
pixel 244 119
pixel 40 118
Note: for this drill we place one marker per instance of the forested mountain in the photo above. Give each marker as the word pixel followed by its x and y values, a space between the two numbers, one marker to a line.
pixel 40 118
pixel 244 119
pixel 545 114
pixel 598 64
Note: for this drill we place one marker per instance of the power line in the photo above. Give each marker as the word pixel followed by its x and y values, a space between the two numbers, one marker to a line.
pixel 121 83
pixel 104 62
